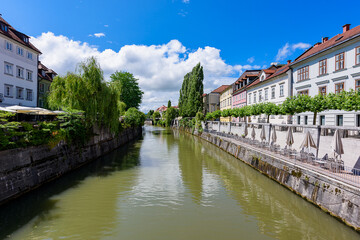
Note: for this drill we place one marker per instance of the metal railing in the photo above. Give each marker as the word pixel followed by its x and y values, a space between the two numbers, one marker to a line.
pixel 332 167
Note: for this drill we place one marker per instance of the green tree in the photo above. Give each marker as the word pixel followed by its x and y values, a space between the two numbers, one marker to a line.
pixel 170 114
pixel 190 100
pixel 134 117
pixel 128 87
pixel 86 90
pixel 149 114
pixel 156 116
pixel 169 104
pixel 317 104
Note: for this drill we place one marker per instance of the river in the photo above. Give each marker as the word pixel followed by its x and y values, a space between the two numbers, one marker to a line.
pixel 167 185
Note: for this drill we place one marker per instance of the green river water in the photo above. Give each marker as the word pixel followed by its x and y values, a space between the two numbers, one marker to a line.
pixel 167 185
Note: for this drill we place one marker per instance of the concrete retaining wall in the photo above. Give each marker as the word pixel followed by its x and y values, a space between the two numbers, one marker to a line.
pixel 334 197
pixel 24 169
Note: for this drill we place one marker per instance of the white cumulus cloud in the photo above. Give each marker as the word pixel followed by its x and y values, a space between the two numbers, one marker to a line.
pixel 251 59
pixel 98 35
pixel 288 49
pixel 159 68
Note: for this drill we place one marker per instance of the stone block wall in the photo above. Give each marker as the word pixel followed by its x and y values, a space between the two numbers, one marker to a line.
pixel 24 169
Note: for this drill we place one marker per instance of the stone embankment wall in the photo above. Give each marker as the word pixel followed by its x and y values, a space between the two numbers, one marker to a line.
pixel 334 197
pixel 24 169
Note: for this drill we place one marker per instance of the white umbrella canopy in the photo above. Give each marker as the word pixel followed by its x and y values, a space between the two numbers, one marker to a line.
pixel 22 109
pixel 253 133
pixel 337 145
pixel 289 138
pixel 308 141
pixel 6 110
pixel 273 135
pixel 262 134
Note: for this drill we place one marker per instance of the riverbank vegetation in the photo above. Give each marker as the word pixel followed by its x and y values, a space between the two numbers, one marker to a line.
pixel 348 101
pixel 87 100
pixel 192 89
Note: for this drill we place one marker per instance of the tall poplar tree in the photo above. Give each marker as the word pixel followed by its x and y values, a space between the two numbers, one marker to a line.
pixel 190 100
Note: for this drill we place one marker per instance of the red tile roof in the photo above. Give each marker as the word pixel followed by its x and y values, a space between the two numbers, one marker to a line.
pixel 220 89
pixel 270 75
pixel 16 35
pixel 334 41
pixel 48 72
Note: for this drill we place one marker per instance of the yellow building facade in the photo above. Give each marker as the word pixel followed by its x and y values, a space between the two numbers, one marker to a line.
pixel 226 102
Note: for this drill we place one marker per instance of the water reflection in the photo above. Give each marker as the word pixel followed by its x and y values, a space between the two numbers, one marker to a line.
pixel 42 211
pixel 170 185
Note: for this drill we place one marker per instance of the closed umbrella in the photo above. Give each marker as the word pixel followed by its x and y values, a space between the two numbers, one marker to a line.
pixel 308 141
pixel 273 135
pixel 245 130
pixel 337 145
pixel 262 134
pixel 289 138
pixel 253 133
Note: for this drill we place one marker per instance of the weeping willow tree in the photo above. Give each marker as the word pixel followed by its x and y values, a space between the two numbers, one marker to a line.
pixel 86 90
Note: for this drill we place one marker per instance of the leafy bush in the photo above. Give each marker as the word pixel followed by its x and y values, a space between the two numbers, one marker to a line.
pixel 134 117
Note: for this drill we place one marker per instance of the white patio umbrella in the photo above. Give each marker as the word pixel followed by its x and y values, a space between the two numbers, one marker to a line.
pixel 337 145
pixel 262 134
pixel 289 138
pixel 253 133
pixel 22 109
pixel 6 110
pixel 245 130
pixel 273 135
pixel 308 142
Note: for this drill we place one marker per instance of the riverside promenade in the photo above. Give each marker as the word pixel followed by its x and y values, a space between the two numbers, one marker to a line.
pixel 334 190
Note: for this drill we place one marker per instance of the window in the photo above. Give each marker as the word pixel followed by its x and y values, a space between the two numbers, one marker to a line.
pixel 357 85
pixel 304 92
pixel 357 55
pixel 20 51
pixel 28 75
pixel 322 67
pixel 339 87
pixel 322 90
pixel 29 94
pixel 305 120
pixel 19 72
pixel 322 120
pixel 8 69
pixel 249 98
pixel 254 97
pixel 266 94
pixel 260 95
pixel 8 46
pixel 298 120
pixel 281 90
pixel 272 92
pixel 8 90
pixel 339 120
pixel 358 120
pixel 303 73
pixel 29 55
pixel 339 61
pixel 19 93
pixel 4 27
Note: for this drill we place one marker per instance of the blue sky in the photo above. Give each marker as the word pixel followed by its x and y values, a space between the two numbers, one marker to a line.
pixel 242 32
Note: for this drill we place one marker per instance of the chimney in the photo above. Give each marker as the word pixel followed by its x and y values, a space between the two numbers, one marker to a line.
pixel 288 61
pixel 324 39
pixel 346 27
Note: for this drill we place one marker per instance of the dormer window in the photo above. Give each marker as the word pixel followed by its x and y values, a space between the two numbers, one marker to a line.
pixel 4 27
pixel 26 39
pixel 262 78
pixel 43 73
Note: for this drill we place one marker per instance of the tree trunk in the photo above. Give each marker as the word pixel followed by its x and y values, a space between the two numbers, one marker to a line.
pixel 268 118
pixel 315 116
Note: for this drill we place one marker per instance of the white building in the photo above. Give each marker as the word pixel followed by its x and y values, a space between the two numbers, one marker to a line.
pixel 19 61
pixel 332 65
pixel 273 85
